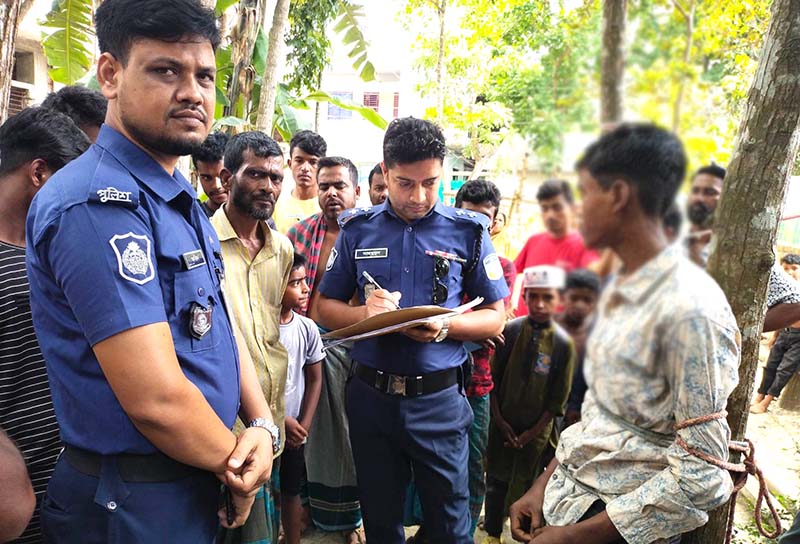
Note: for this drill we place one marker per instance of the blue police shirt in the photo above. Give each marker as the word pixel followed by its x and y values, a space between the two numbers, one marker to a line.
pixel 115 242
pixel 399 256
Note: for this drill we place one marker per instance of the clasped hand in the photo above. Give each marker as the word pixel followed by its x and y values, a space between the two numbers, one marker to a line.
pixel 248 469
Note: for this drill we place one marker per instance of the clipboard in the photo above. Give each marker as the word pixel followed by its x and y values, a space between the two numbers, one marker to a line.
pixel 393 321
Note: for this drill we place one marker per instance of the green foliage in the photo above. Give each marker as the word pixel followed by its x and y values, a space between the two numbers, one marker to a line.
pixel 348 26
pixel 510 66
pixel 548 74
pixel 70 47
pixel 222 6
pixel 726 43
pixel 309 46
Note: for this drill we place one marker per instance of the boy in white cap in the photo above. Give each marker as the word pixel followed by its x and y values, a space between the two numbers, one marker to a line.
pixel 532 374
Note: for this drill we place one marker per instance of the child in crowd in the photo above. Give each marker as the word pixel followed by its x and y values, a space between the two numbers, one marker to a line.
pixel 784 355
pixel 300 336
pixel 580 300
pixel 532 374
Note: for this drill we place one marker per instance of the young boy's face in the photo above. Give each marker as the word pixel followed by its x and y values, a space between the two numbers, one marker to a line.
pixel 792 269
pixel 579 303
pixel 296 295
pixel 541 303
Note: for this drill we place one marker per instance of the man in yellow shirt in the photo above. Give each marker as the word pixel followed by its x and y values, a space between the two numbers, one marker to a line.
pixel 305 150
pixel 257 264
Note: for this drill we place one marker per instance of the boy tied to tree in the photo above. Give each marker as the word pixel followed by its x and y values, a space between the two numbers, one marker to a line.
pixel 532 373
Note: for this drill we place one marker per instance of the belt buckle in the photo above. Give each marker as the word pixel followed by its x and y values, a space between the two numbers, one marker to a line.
pixel 397 385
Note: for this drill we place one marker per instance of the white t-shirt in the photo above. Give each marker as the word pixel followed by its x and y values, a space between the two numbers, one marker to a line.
pixel 301 339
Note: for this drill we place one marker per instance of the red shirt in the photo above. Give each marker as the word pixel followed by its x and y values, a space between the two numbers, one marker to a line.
pixel 481 382
pixel 568 253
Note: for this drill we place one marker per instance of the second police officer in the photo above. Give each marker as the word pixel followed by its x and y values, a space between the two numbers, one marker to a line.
pixel 405 402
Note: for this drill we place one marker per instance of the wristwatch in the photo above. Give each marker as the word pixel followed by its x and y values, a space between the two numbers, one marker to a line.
pixel 271 429
pixel 443 332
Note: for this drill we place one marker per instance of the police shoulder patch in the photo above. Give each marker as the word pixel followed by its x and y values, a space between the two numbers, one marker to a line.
pixel 134 261
pixel 347 216
pixel 492 266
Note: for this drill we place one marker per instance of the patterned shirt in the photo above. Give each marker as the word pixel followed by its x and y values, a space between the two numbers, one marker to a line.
pixel 782 288
pixel 254 289
pixel 307 237
pixel 665 349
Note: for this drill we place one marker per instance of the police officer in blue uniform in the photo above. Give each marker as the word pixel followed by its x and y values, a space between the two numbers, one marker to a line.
pixel 405 401
pixel 127 302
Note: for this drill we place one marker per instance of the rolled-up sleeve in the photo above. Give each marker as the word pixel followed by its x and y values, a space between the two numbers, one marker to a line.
pixel 703 357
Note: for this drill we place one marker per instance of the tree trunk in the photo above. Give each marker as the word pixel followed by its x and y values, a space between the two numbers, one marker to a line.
pixel 748 214
pixel 612 61
pixel 318 107
pixel 687 56
pixel 269 85
pixel 440 8
pixel 250 17
pixel 790 396
pixel 9 21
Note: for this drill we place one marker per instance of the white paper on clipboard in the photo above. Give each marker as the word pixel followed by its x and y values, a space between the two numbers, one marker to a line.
pixel 394 321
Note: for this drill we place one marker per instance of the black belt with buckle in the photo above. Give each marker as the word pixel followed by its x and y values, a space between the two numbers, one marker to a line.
pixel 407 386
pixel 150 468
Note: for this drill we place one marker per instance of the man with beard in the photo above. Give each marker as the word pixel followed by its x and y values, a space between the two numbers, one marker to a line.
pixel 257 264
pixel 207 162
pixel 126 297
pixel 559 245
pixel 703 200
pixel 332 489
pixel 377 186
pixel 783 294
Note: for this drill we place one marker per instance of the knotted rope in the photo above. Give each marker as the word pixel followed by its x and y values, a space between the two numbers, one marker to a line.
pixel 739 474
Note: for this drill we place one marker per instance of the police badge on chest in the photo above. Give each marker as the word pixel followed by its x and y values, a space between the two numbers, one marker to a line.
pixel 199 320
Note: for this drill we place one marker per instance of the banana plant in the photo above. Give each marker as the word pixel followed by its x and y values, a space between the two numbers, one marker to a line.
pixel 69 47
pixel 347 25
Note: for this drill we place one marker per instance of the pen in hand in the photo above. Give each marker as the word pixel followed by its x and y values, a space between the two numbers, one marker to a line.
pixel 377 285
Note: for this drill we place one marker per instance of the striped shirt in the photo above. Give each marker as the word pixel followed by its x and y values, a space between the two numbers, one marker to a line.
pixel 26 409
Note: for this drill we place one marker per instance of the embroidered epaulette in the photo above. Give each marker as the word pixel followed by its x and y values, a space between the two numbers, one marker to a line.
pixel 354 215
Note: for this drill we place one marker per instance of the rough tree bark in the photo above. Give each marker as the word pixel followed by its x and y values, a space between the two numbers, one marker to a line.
pixel 612 61
pixel 9 21
pixel 269 85
pixel 750 209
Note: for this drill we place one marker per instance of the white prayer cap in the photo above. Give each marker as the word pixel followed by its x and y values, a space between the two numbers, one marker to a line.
pixel 544 277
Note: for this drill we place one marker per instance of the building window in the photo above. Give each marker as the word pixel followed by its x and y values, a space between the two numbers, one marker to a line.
pixel 335 112
pixel 372 100
pixel 396 109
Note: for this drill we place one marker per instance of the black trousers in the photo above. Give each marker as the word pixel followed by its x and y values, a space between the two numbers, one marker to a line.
pixel 783 362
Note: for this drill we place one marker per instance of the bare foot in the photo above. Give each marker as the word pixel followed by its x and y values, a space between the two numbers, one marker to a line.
pixel 758 408
pixel 356 536
pixel 759 399
pixel 305 519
